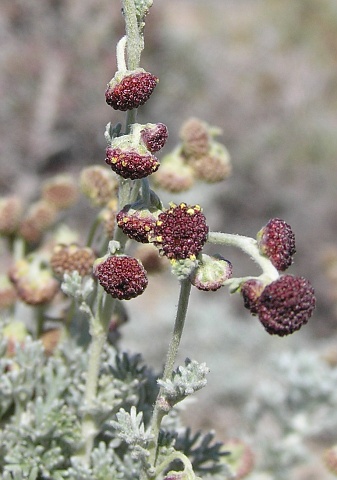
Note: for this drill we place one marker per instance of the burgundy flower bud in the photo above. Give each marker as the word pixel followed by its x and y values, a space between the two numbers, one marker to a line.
pixel 154 136
pixel 129 90
pixel 130 163
pixel 121 276
pixel 136 224
pixel 276 240
pixel 180 232
pixel 285 305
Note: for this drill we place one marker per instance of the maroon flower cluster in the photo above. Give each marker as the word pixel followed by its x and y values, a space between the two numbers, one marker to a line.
pixel 121 276
pixel 136 224
pixel 131 92
pixel 155 137
pixel 130 163
pixel 276 240
pixel 180 232
pixel 283 306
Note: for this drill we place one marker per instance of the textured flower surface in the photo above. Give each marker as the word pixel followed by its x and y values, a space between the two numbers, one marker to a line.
pixel 131 92
pixel 136 224
pixel 251 291
pixel 130 163
pixel 121 276
pixel 181 231
pixel 276 240
pixel 154 137
pixel 286 304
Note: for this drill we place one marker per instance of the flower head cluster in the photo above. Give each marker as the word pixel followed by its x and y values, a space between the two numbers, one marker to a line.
pixel 130 90
pixel 197 157
pixel 121 276
pixel 180 232
pixel 208 158
pixel 282 306
pixel 276 240
pixel 68 258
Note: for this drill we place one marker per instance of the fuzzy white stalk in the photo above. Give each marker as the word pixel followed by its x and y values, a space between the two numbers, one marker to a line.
pixel 249 246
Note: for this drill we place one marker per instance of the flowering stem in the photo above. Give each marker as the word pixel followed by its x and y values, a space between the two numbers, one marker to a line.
pixel 247 245
pixel 159 413
pixel 131 118
pixel 134 38
pixel 185 289
pixel 98 332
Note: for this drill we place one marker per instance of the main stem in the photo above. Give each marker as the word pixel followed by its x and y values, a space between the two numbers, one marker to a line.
pixel 134 37
pixel 159 412
pixel 98 330
pixel 98 322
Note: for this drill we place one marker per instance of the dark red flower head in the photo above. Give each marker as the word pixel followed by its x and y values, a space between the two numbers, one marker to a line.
pixel 285 305
pixel 180 232
pixel 136 224
pixel 121 276
pixel 128 163
pixel 132 91
pixel 276 240
pixel 154 136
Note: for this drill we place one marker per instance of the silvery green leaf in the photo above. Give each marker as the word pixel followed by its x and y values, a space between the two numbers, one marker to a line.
pixel 130 427
pixel 185 381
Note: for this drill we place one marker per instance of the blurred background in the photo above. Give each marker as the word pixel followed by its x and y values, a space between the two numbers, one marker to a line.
pixel 264 71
